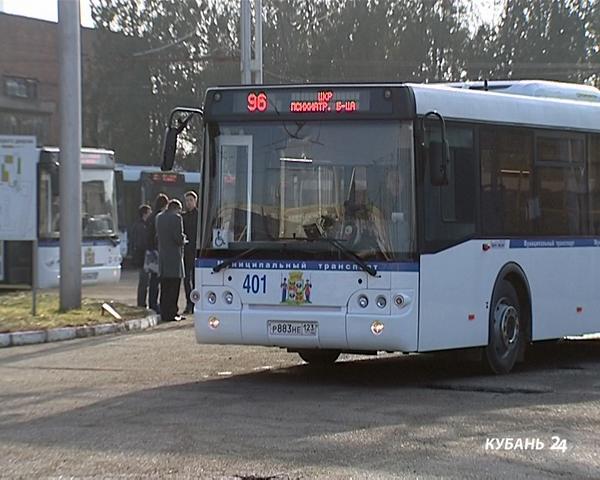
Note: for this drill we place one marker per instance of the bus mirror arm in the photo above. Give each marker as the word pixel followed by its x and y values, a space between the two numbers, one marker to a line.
pixel 438 152
pixel 171 133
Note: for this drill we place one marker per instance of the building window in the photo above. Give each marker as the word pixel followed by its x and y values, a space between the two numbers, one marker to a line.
pixel 26 124
pixel 17 87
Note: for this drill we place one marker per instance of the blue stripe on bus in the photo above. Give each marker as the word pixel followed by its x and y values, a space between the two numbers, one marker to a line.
pixel 54 242
pixel 325 266
pixel 555 243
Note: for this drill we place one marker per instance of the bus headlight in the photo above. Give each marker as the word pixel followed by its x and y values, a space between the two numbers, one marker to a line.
pixel 399 301
pixel 212 298
pixel 195 296
pixel 380 301
pixel 377 327
pixel 228 297
pixel 213 322
pixel 363 301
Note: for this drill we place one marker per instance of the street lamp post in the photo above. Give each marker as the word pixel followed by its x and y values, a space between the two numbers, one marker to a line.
pixel 251 70
pixel 69 53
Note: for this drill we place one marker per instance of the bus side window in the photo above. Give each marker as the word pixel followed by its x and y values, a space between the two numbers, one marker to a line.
pixel 594 183
pixel 507 205
pixel 560 184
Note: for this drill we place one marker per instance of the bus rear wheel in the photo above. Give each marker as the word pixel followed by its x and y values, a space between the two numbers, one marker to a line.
pixel 506 329
pixel 319 358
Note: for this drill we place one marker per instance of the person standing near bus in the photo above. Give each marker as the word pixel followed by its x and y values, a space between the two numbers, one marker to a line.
pixel 190 228
pixel 151 260
pixel 171 240
pixel 139 245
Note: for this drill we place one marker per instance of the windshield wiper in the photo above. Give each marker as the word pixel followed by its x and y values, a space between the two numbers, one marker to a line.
pixel 315 232
pixel 230 261
pixel 351 255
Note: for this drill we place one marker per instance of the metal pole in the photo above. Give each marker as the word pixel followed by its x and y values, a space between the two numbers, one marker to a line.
pixel 34 277
pixel 69 53
pixel 245 27
pixel 258 48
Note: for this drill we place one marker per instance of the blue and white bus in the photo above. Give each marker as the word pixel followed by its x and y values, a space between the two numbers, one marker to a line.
pixel 100 252
pixel 396 217
pixel 140 184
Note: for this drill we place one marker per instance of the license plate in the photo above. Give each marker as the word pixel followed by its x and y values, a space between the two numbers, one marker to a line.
pixel 292 329
pixel 89 276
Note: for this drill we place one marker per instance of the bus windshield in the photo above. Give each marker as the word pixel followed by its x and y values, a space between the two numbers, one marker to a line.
pixel 98 214
pixel 97 203
pixel 270 184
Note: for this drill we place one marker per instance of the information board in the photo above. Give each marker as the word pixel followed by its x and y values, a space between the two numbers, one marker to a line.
pixel 18 191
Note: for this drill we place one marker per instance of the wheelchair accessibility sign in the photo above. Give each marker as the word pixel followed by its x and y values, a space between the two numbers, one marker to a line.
pixel 220 238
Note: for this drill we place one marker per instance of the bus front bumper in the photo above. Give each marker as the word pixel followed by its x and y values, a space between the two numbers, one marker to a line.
pixel 330 328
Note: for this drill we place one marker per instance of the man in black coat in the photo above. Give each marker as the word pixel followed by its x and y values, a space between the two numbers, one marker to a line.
pixel 190 228
pixel 159 205
pixel 139 245
pixel 171 239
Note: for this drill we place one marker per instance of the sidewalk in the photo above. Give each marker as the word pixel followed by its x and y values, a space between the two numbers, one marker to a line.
pixel 125 291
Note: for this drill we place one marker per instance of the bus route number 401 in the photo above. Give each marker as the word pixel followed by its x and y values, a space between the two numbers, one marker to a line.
pixel 255 284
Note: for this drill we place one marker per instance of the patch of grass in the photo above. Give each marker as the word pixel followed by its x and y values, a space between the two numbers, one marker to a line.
pixel 15 312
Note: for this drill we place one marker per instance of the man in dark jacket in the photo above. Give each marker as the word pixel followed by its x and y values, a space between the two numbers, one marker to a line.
pixel 139 245
pixel 171 239
pixel 159 205
pixel 190 228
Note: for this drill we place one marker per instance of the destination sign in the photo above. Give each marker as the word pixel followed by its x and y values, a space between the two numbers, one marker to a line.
pixel 321 101
pixel 326 101
pixel 310 102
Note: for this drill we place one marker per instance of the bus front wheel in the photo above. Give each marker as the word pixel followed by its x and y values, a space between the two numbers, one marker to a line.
pixel 319 358
pixel 506 329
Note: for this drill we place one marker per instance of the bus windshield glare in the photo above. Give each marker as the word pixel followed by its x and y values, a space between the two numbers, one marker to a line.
pixel 270 183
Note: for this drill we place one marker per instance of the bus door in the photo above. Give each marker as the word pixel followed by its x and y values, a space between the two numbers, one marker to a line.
pixel 451 314
pixel 235 188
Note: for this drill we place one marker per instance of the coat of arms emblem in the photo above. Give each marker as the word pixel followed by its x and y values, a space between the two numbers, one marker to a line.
pixel 295 289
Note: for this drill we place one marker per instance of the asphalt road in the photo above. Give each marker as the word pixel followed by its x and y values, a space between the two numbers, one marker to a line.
pixel 157 405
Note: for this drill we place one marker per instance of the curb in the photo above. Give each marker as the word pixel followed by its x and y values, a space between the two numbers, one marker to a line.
pixel 15 339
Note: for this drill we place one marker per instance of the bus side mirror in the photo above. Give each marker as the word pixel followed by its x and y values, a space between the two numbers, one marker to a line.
pixel 170 140
pixel 438 152
pixel 169 147
pixel 439 155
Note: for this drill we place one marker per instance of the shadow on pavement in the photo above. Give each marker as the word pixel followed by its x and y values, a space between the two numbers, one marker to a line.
pixel 411 402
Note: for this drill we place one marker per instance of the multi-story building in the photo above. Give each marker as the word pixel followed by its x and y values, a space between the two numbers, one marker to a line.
pixel 29 76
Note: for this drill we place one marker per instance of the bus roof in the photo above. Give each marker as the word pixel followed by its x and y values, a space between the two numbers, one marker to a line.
pixel 519 103
pixel 506 108
pixel 83 150
pixel 535 88
pixel 90 157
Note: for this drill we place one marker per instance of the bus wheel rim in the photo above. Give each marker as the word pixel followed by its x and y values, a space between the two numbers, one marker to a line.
pixel 506 319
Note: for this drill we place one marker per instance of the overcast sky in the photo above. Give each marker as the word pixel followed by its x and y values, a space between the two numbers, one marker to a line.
pixel 47 9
